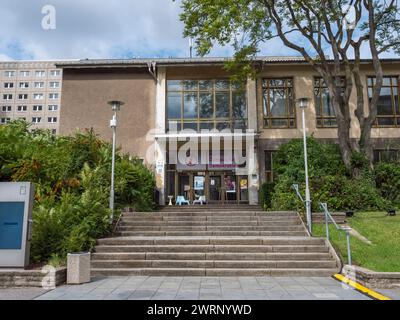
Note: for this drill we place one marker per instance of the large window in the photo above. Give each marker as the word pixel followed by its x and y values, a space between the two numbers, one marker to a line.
pixel 388 104
pixel 279 107
pixel 325 113
pixel 205 104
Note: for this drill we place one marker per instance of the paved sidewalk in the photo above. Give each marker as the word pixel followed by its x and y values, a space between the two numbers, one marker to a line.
pixel 21 293
pixel 206 288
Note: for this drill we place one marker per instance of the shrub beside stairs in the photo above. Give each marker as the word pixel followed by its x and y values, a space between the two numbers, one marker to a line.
pixel 212 240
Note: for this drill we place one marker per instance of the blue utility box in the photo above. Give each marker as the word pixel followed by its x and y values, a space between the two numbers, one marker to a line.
pixel 16 202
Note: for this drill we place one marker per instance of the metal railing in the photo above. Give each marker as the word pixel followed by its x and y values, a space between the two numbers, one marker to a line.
pixel 347 230
pixel 307 206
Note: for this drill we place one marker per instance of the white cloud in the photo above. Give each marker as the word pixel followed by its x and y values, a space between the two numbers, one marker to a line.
pixel 91 28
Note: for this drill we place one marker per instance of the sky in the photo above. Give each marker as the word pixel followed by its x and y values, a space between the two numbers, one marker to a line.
pixel 96 29
pixel 99 29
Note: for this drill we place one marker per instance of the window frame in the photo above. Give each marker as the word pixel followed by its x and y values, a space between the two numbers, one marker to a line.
pixel 395 116
pixel 322 118
pixel 266 103
pixel 213 121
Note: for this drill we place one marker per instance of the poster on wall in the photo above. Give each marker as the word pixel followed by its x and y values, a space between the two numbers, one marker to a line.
pixel 198 183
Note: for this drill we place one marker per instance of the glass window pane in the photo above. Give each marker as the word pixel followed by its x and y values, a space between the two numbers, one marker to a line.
pixel 239 106
pixel 206 105
pixel 174 126
pixel 276 82
pixel 206 125
pixel 279 123
pixel 222 105
pixel 386 121
pixel 385 102
pixel 222 125
pixel 174 105
pixel 386 81
pixel 236 85
pixel 396 100
pixel 277 102
pixel 190 85
pixel 174 85
pixel 268 161
pixel 205 85
pixel 222 85
pixel 190 106
pixel 394 81
pixel 190 125
pixel 240 125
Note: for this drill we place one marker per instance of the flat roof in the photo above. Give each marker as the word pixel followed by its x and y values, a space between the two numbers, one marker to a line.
pixel 138 62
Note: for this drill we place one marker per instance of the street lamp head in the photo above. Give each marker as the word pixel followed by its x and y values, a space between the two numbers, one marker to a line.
pixel 303 103
pixel 115 105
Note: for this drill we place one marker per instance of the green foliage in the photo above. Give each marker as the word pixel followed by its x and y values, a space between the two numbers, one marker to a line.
pixel 382 230
pixel 328 178
pixel 72 180
pixel 265 197
pixel 387 177
pixel 135 184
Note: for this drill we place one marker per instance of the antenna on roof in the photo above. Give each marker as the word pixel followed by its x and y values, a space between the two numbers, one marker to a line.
pixel 191 47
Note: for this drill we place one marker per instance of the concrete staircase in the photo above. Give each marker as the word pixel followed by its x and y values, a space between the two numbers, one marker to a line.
pixel 212 241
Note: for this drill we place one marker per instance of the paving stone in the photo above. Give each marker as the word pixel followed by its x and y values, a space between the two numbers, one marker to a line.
pixel 141 294
pixel 187 295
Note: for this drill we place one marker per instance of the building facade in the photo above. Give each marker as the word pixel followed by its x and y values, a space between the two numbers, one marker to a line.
pixel 206 136
pixel 31 90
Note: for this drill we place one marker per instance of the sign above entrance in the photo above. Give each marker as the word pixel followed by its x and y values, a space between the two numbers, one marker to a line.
pixel 216 163
pixel 191 164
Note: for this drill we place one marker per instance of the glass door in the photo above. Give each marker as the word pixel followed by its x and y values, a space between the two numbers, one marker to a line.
pixel 215 188
pixel 230 188
pixel 184 185
pixel 198 186
pixel 243 189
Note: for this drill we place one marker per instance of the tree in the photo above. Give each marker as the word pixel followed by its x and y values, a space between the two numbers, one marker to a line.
pixel 313 28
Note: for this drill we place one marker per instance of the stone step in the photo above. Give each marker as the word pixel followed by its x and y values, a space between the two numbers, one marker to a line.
pixel 209 256
pixel 308 272
pixel 210 228
pixel 253 264
pixel 212 241
pixel 193 212
pixel 212 248
pixel 211 233
pixel 211 221
pixel 212 207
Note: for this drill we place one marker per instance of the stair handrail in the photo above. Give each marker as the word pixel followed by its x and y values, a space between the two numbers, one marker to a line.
pixel 346 229
pixel 295 187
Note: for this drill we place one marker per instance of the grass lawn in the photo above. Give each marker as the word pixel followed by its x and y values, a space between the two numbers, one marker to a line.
pixel 384 233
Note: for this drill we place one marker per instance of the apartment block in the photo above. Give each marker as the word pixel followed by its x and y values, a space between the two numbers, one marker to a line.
pixel 31 90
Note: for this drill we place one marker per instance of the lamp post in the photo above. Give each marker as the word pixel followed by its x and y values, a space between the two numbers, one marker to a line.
pixel 115 106
pixel 303 104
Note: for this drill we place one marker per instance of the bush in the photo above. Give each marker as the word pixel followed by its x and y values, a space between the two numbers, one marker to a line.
pixel 265 196
pixel 328 178
pixel 72 179
pixel 387 177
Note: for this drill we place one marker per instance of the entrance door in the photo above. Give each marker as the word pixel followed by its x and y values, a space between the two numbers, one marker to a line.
pixel 215 188
pixel 230 188
pixel 198 186
pixel 184 186
pixel 243 189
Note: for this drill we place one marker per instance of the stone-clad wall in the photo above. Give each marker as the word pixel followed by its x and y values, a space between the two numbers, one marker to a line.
pixel 10 278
